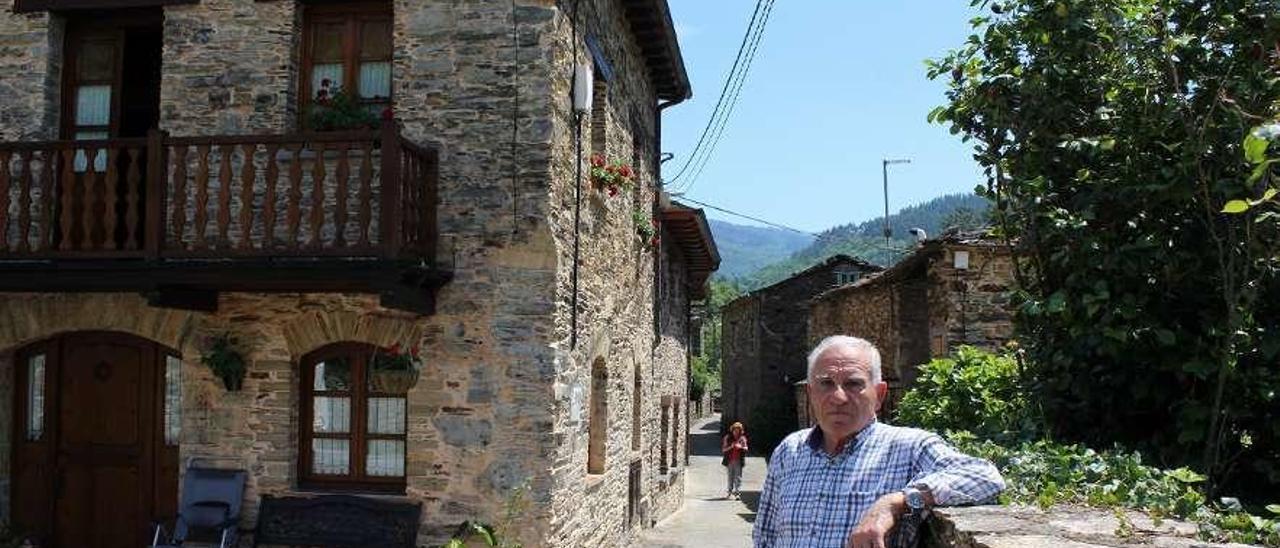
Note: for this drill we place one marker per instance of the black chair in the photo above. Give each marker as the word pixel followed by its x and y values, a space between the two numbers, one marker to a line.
pixel 210 510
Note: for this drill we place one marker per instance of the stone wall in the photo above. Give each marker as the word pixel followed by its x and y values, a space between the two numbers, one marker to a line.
pixel 498 405
pixel 229 67
pixel 923 308
pixel 971 306
pixel 766 342
pixel 612 315
pixel 1058 527
pixel 31 60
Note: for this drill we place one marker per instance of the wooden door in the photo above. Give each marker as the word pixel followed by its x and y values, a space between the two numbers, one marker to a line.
pixel 104 471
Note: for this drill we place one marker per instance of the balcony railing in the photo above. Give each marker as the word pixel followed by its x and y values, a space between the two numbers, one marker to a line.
pixel 226 199
pixel 354 194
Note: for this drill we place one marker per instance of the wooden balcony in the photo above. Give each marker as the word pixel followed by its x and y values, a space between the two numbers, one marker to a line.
pixel 183 218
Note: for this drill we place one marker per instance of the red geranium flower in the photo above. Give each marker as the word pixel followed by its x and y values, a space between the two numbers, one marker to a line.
pixel 597 160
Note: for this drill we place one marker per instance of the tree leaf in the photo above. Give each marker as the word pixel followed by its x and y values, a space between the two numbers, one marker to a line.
pixel 1236 206
pixel 1255 148
pixel 1185 475
pixel 1273 508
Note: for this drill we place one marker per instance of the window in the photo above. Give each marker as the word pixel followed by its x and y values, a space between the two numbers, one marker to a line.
pixel 35 397
pixel 94 65
pixel 662 437
pixel 347 48
pixel 635 412
pixel 599 418
pixel 172 400
pixel 599 106
pixel 353 419
pixel 847 277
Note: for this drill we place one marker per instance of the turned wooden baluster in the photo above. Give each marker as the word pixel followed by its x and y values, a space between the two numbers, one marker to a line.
pixel 340 203
pixel 4 199
pixel 317 197
pixel 179 194
pixel 295 194
pixel 24 202
pixel 202 194
pixel 47 228
pixel 109 191
pixel 248 173
pixel 68 188
pixel 90 193
pixel 269 212
pixel 224 196
pixel 366 193
pixel 132 178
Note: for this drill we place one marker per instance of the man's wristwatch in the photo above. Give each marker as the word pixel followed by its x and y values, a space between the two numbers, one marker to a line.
pixel 915 499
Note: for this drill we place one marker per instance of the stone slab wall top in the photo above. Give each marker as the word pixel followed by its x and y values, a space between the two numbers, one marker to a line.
pixel 1059 526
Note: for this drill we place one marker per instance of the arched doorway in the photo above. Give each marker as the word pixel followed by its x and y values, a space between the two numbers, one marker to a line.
pixel 92 464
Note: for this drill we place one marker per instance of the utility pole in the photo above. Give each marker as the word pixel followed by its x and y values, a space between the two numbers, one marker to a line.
pixel 885 167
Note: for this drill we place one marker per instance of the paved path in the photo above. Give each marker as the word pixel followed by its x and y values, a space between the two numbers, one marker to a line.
pixel 707 520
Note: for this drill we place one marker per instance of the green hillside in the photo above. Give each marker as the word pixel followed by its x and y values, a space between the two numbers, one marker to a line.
pixel 866 241
pixel 746 249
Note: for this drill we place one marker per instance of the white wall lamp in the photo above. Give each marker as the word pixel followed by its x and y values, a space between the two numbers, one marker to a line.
pixel 961 260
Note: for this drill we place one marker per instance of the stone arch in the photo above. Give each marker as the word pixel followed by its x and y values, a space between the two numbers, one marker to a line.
pixel 598 429
pixel 28 318
pixel 314 329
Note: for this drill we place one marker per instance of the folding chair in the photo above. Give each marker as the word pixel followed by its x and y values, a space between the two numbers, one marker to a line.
pixel 210 509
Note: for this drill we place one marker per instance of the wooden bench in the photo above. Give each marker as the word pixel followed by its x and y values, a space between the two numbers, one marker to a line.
pixel 337 521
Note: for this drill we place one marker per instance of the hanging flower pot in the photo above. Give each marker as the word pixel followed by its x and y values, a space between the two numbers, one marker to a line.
pixel 611 178
pixel 393 371
pixel 225 361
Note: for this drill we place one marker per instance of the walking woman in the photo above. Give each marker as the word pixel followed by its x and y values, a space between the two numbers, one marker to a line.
pixel 734 448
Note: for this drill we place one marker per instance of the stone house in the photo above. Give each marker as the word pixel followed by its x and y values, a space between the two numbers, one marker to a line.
pixel 764 337
pixel 951 291
pixel 447 308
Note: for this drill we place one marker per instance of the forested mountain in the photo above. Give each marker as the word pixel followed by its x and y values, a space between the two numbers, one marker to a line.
pixel 746 249
pixel 866 241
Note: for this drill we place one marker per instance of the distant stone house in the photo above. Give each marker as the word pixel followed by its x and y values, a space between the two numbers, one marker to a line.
pixel 950 291
pixel 164 183
pixel 764 339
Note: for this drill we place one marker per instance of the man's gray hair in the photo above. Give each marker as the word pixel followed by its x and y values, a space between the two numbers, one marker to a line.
pixel 853 343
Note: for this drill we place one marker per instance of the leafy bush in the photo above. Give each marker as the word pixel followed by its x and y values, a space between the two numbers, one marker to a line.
pixel 972 390
pixel 1045 473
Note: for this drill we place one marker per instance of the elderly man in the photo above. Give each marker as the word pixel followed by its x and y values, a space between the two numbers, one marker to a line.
pixel 847 482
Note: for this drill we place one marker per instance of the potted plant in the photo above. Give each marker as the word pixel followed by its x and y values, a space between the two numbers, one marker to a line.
pixel 393 370
pixel 646 228
pixel 611 177
pixel 334 109
pixel 225 361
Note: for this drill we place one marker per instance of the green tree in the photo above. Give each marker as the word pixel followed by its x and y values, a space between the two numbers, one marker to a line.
pixel 1110 132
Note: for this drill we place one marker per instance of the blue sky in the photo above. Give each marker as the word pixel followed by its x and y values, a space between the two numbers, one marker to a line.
pixel 836 85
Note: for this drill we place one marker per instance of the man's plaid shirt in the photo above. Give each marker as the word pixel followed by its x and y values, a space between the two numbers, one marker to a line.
pixel 814 500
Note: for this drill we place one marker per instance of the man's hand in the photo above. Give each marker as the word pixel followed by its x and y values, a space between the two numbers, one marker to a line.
pixel 877 522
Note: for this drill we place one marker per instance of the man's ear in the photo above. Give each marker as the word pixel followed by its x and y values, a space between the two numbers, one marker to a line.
pixel 882 393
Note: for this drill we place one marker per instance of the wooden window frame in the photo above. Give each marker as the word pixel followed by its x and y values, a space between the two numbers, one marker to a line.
pixel 356 479
pixel 79 33
pixel 350 14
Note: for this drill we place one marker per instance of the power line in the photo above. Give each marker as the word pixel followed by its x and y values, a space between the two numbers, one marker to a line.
pixel 683 198
pixel 733 101
pixel 723 91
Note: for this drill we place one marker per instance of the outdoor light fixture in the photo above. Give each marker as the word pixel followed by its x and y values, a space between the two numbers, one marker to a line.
pixel 582 87
pixel 962 260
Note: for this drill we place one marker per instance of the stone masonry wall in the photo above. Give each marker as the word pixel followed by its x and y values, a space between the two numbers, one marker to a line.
pixel 468 444
pixel 739 350
pixel 768 358
pixel 229 67
pixel 31 60
pixel 615 301
pixel 972 306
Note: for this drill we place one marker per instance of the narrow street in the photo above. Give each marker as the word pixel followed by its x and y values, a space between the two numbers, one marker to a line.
pixel 707 519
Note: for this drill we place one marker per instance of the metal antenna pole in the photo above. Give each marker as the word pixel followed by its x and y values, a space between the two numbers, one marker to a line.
pixel 884 165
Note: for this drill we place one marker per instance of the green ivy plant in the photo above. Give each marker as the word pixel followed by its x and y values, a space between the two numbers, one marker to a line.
pixel 222 357
pixel 646 228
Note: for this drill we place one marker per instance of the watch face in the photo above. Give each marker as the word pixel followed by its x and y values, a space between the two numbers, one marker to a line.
pixel 915 499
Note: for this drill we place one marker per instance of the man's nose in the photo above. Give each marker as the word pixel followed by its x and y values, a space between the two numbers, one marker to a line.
pixel 838 395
